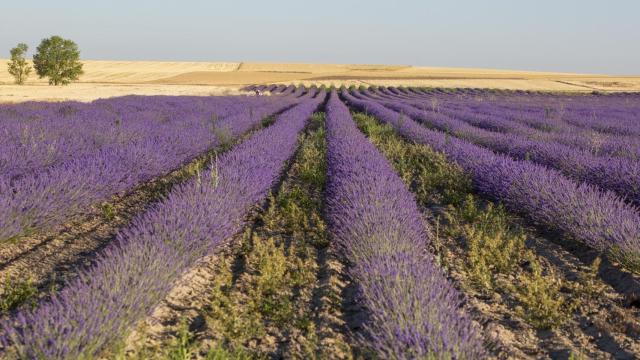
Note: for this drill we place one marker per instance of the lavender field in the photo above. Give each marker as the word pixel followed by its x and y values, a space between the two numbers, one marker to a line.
pixel 322 223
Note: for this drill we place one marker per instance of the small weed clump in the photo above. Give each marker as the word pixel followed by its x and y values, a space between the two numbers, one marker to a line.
pixel 16 292
pixel 108 211
pixel 493 246
pixel 543 304
pixel 181 348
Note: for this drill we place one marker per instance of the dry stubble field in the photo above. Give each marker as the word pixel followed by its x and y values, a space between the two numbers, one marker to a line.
pixel 116 78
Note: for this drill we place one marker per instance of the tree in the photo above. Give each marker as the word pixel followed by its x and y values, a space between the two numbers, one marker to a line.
pixel 59 60
pixel 18 66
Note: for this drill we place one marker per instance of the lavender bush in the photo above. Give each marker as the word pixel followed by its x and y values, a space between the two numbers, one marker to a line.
pixel 614 114
pixel 531 121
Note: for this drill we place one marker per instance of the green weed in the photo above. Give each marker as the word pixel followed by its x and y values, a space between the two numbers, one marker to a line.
pixel 493 246
pixel 15 292
pixel 543 304
pixel 183 345
pixel 108 211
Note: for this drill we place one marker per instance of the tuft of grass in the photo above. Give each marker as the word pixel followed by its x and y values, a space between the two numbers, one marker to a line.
pixel 221 353
pixel 577 356
pixel 224 137
pixel 271 281
pixel 493 246
pixel 588 283
pixel 268 121
pixel 630 260
pixel 108 211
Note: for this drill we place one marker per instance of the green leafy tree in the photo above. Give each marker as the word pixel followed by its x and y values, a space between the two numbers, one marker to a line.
pixel 18 66
pixel 59 60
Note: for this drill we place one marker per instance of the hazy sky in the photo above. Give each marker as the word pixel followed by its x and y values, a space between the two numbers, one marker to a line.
pixel 570 35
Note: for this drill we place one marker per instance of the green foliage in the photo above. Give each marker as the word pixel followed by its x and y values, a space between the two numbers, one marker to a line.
pixel 14 292
pixel 181 348
pixel 629 260
pixel 59 60
pixel 268 121
pixel 493 246
pixel 589 284
pixel 18 66
pixel 543 305
pixel 108 211
pixel 577 356
pixel 428 173
pixel 219 352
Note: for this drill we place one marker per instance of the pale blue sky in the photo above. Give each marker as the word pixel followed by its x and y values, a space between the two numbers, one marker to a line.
pixel 571 35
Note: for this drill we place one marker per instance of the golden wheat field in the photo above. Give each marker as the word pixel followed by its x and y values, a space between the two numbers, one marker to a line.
pixel 104 78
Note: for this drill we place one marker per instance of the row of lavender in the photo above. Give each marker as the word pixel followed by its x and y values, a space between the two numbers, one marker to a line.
pixel 618 174
pixel 547 121
pixel 148 138
pixel 138 269
pixel 414 311
pixel 611 113
pixel 606 115
pixel 37 135
pixel 578 210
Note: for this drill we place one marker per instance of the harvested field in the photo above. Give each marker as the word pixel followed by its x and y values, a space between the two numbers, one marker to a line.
pixel 104 79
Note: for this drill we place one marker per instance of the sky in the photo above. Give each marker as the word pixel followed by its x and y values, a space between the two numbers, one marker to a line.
pixel 561 35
